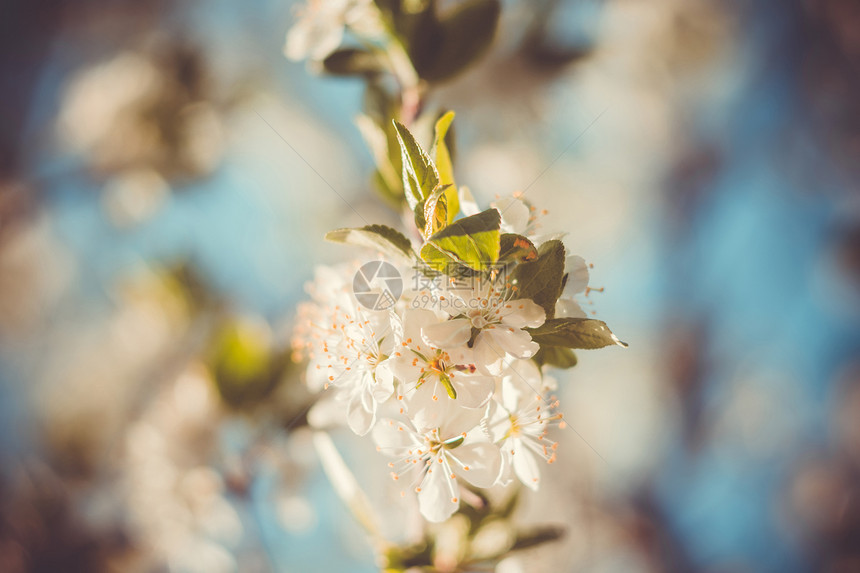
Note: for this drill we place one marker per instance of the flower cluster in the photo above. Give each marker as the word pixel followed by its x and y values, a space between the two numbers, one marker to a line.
pixel 446 371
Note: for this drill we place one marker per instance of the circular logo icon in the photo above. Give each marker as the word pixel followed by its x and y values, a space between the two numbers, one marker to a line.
pixel 377 285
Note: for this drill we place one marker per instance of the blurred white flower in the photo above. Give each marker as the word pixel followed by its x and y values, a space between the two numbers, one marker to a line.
pixel 296 514
pixel 320 28
pixel 519 421
pixel 134 195
pixel 97 98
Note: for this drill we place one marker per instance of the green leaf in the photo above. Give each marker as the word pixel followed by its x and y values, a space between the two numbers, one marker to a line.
pixel 353 62
pixel 472 241
pixel 435 211
pixel 442 156
pixel 440 149
pixel 516 248
pixel 556 356
pixel 420 177
pixel 584 333
pixel 379 237
pixel 456 41
pixel 540 280
pixel 437 259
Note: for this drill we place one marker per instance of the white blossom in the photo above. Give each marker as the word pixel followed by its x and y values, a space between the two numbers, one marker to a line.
pixel 431 460
pixel 519 422
pixel 436 378
pixel 348 348
pixel 451 362
pixel 516 215
pixel 498 319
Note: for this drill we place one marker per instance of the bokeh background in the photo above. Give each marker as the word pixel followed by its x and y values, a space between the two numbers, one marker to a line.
pixel 166 177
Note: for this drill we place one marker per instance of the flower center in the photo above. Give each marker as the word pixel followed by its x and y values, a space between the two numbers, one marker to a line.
pixel 440 363
pixel 515 426
pixel 477 318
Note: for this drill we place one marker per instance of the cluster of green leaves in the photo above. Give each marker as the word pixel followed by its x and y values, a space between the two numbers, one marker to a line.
pixel 380 130
pixel 475 245
pixel 440 45
pixel 478 517
pixel 471 244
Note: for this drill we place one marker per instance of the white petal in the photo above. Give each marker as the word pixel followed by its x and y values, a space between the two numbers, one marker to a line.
pixel 393 435
pixel 483 460
pixel 459 421
pixel 518 343
pixel 525 465
pixel 365 393
pixel 522 313
pixel 384 386
pixel 520 384
pixel 473 391
pixel 577 278
pixel 378 321
pixel 489 356
pixel 448 334
pixel 406 367
pixel 359 418
pixel 396 336
pixel 539 240
pixel 317 378
pixel 424 411
pixel 462 355
pixel 342 378
pixel 414 321
pixel 438 491
pixel 498 421
pixel 525 370
pixel 506 473
pixel 567 308
pixel 515 214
